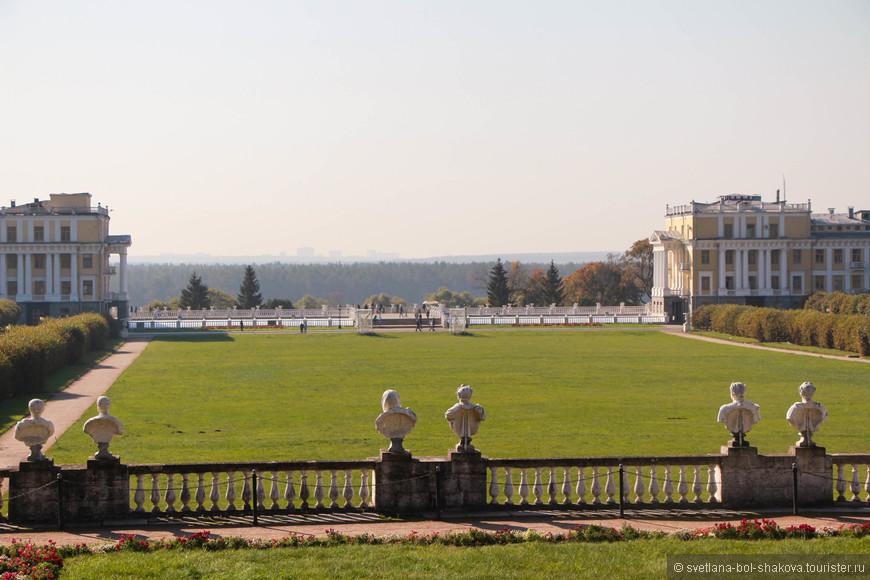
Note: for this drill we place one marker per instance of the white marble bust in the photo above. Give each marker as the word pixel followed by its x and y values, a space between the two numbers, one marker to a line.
pixel 34 431
pixel 465 418
pixel 103 428
pixel 395 422
pixel 739 416
pixel 806 415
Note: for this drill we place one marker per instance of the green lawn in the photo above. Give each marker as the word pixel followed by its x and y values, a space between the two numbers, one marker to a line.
pixel 566 393
pixel 631 559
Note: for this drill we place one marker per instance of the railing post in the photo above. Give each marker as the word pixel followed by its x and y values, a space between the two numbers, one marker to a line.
pixel 256 496
pixel 794 475
pixel 621 493
pixel 438 491
pixel 60 502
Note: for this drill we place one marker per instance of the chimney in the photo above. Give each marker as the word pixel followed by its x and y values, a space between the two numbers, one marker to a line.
pixel 831 210
pixel 851 212
pixel 35 200
pixel 777 196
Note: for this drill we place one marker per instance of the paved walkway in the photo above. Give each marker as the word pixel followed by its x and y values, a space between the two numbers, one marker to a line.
pixel 64 408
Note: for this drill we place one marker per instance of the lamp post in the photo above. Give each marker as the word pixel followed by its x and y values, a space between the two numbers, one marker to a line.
pixel 339 315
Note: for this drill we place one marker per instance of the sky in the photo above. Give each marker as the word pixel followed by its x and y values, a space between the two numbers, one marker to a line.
pixel 428 128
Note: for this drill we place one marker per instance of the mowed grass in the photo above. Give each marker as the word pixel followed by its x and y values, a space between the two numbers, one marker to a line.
pixel 557 393
pixel 632 559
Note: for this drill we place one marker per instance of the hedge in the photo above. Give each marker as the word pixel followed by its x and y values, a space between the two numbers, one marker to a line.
pixel 9 313
pixel 839 303
pixel 807 327
pixel 29 354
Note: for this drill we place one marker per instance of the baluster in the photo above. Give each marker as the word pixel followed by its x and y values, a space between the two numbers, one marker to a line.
pixel 712 485
pixel 318 491
pixel 683 487
pixel 596 486
pixel 841 482
pixel 654 484
pixel 200 492
pixel 524 487
pixel 333 490
pixel 697 488
pixel 215 495
pixel 551 486
pixel 348 490
pixel 138 496
pixel 231 491
pixel 493 486
pixel 261 493
pixel 566 485
pixel 638 485
pixel 364 491
pixel 538 488
pixel 626 489
pixel 185 492
pixel 170 493
pixel 855 488
pixel 509 486
pixel 867 484
pixel 290 491
pixel 581 486
pixel 274 493
pixel 669 485
pixel 304 491
pixel 610 486
pixel 155 493
pixel 247 495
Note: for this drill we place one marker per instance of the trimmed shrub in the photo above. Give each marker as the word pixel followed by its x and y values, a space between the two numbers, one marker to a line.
pixel 816 302
pixel 701 317
pixel 9 313
pixel 98 329
pixel 748 323
pixel 724 319
pixel 776 326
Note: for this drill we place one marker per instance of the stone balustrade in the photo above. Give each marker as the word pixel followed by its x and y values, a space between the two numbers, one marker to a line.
pixel 851 477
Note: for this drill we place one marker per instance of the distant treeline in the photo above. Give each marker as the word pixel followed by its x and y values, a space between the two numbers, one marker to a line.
pixel 354 282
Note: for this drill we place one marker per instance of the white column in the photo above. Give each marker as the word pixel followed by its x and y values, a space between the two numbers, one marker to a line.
pixel 123 275
pixel 829 267
pixel 722 270
pixel 24 277
pixel 73 230
pixel 3 274
pixel 784 282
pixel 20 274
pixel 49 275
pixel 74 276
pixel 764 278
pixel 56 288
pixel 744 268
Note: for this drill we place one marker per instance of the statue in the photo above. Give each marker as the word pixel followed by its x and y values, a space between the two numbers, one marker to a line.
pixel 102 428
pixel 464 418
pixel 395 422
pixel 35 431
pixel 739 416
pixel 807 415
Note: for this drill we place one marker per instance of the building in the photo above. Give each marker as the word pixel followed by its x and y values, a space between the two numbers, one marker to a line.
pixel 54 258
pixel 743 250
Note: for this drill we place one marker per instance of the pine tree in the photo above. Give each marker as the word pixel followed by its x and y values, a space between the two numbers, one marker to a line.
pixel 249 292
pixel 497 291
pixel 551 290
pixel 195 296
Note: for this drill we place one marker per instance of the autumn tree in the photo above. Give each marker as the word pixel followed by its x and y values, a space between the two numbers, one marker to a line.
pixel 638 265
pixel 518 283
pixel 497 291
pixel 273 303
pixel 249 292
pixel 595 282
pixel 449 299
pixel 221 300
pixel 195 296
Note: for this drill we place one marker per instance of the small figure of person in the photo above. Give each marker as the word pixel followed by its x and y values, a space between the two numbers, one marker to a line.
pixel 806 415
pixel 34 431
pixel 419 327
pixel 103 428
pixel 431 325
pixel 465 418
pixel 739 416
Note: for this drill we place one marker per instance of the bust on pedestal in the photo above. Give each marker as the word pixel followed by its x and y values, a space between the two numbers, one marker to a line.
pixel 103 428
pixel 739 416
pixel 34 431
pixel 806 415
pixel 465 418
pixel 396 422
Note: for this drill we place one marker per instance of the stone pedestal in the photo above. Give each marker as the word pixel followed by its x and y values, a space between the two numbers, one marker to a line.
pixel 33 493
pixel 405 485
pixel 753 480
pixel 463 485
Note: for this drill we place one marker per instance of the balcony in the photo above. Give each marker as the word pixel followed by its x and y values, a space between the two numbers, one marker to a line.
pixel 857 266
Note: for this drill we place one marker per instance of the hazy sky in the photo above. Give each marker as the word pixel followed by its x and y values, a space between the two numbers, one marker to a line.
pixel 428 128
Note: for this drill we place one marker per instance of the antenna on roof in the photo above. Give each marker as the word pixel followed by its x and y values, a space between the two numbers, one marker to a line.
pixel 783 188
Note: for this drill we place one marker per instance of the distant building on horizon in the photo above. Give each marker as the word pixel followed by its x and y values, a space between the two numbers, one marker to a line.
pixel 54 258
pixel 742 250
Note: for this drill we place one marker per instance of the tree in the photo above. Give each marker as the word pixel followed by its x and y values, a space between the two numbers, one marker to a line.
pixel 221 300
pixel 497 291
pixel 273 303
pixel 449 299
pixel 595 282
pixel 309 302
pixel 518 283
pixel 548 286
pixel 195 296
pixel 382 299
pixel 638 264
pixel 249 292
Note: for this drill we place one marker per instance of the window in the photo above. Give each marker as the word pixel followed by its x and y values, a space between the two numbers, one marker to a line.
pixel 796 256
pixel 774 257
pixel 838 256
pixel 705 256
pixel 729 282
pixel 38 234
pixel 753 282
pixel 753 257
pixel 38 261
pixel 729 257
pixel 773 231
pixel 797 283
pixel 87 261
pixel 65 234
pixel 728 230
pixel 66 287
pixel 705 284
pixel 774 282
pixel 837 283
pixel 820 256
pixel 857 282
pixel 39 287
pixel 857 254
pixel 11 234
pixel 12 262
pixel 65 262
pixel 819 283
pixel 750 230
pixel 87 287
pixel 11 288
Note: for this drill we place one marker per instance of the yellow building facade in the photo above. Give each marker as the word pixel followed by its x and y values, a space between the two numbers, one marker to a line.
pixel 741 249
pixel 54 258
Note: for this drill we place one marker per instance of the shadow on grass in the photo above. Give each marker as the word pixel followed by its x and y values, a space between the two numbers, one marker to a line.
pixel 215 337
pixel 376 335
